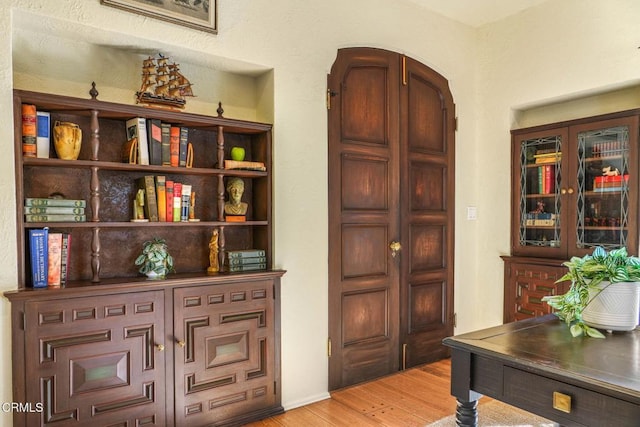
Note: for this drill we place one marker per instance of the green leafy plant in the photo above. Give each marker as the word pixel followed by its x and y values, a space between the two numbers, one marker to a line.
pixel 155 259
pixel 587 273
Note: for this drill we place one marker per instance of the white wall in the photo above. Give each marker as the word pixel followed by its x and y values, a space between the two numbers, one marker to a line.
pixel 561 48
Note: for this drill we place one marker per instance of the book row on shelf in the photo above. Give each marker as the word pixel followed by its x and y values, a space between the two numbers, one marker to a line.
pixel 147 141
pixel 161 200
pixel 609 148
pixel 546 179
pixel 49 253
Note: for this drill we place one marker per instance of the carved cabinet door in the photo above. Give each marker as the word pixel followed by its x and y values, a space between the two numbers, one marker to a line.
pixel 100 360
pixel 225 353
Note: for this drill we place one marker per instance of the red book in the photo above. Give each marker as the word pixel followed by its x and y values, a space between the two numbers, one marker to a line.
pixel 169 200
pixel 549 178
pixel 174 145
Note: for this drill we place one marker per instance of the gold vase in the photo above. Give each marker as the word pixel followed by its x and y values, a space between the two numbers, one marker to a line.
pixel 67 139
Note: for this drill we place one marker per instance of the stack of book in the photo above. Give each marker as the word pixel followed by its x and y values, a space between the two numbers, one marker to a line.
pixel 49 253
pixel 54 210
pixel 610 183
pixel 246 260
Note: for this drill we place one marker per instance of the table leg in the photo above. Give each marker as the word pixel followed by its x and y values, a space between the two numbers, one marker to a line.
pixel 467 413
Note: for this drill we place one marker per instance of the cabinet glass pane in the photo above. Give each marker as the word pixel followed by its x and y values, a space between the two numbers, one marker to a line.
pixel 539 191
pixel 603 191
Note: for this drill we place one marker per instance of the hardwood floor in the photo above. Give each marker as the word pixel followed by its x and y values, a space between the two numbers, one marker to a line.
pixel 414 397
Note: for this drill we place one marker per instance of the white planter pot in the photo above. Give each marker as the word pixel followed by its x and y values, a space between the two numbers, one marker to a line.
pixel 615 308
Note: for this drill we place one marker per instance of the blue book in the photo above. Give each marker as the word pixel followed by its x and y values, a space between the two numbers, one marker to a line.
pixel 38 246
pixel 43 127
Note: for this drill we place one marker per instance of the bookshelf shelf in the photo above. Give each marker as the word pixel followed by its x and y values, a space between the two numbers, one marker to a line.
pixel 109 187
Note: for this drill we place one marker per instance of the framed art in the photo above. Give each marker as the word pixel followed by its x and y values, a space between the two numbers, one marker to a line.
pixel 199 14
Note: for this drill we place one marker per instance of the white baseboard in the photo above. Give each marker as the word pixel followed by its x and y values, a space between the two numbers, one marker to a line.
pixel 306 401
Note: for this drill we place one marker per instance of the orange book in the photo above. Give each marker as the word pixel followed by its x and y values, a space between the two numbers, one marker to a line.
pixel 174 145
pixel 29 130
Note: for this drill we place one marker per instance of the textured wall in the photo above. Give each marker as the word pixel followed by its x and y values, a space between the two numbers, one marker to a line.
pixel 270 59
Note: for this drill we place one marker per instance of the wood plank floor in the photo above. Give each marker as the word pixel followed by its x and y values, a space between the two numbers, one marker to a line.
pixel 414 397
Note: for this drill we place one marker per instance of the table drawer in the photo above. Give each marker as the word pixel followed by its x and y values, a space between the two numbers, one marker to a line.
pixel 585 407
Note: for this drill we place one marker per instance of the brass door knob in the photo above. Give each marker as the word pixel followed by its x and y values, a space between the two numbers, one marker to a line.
pixel 395 248
pixel 181 343
pixel 160 347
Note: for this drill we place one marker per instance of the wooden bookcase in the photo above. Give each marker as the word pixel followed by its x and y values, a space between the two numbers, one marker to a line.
pixel 113 347
pixel 559 169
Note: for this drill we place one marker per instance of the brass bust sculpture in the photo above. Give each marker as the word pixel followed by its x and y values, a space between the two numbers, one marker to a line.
pixel 235 206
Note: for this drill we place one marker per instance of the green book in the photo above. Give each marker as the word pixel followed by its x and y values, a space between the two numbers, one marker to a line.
pixel 37 201
pixel 53 210
pixel 246 253
pixel 247 260
pixel 247 267
pixel 55 218
pixel 148 184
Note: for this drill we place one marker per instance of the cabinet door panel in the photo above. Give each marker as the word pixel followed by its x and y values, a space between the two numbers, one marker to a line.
pixel 98 360
pixel 540 195
pixel 604 206
pixel 225 351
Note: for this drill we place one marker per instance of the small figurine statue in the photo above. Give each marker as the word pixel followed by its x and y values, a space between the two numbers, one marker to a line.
pixel 214 266
pixel 192 206
pixel 138 207
pixel 235 206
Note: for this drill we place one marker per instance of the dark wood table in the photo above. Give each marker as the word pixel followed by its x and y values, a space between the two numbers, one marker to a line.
pixel 536 365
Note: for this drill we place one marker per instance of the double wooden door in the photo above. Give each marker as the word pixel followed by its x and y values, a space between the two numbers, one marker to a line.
pixel 391 175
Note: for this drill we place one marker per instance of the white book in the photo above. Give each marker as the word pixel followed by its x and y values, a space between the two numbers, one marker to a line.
pixel 137 128
pixel 43 134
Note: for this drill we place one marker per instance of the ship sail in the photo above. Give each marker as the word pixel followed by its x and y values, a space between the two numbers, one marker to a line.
pixel 162 83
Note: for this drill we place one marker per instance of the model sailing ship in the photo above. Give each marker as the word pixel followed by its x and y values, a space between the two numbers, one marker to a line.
pixel 162 83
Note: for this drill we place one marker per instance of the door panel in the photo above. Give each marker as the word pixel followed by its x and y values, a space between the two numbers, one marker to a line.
pixel 363 170
pixel 427 132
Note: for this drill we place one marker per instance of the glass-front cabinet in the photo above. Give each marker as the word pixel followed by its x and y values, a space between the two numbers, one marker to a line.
pixel 575 186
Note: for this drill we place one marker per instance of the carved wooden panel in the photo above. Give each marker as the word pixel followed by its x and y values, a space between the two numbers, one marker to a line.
pixel 428 247
pixel 364 250
pixel 224 351
pixel 366 313
pixel 364 183
pixel 94 371
pixel 428 186
pixel 426 115
pixel 526 284
pixel 364 104
pixel 426 305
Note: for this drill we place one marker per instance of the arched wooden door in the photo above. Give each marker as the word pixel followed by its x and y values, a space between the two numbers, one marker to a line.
pixel 391 173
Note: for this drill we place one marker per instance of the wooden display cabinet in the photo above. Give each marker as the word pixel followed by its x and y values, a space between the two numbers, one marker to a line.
pixel 112 347
pixel 574 187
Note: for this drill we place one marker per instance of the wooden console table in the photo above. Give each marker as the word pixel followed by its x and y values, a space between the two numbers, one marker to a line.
pixel 536 365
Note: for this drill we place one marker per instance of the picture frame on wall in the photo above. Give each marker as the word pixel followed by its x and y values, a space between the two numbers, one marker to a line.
pixel 198 14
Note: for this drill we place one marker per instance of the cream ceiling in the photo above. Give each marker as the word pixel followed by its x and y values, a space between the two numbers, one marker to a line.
pixel 477 12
